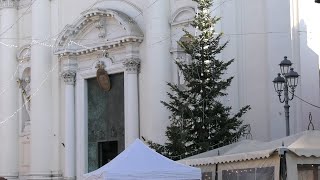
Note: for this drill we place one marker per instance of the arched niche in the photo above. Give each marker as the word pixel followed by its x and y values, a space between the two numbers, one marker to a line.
pixel 24 84
pixel 183 15
pixel 24 53
pixel 181 20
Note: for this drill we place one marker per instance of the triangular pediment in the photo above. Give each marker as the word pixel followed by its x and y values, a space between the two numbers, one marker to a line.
pixel 98 29
pixel 109 29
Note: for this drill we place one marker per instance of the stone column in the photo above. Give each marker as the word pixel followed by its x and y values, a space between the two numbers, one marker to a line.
pixel 69 142
pixel 156 70
pixel 131 101
pixel 9 92
pixel 41 146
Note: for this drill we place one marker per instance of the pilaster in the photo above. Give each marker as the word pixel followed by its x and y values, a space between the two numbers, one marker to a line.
pixel 156 71
pixel 132 123
pixel 9 125
pixel 41 146
pixel 69 76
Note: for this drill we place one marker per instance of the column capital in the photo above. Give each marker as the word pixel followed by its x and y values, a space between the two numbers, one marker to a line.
pixel 9 3
pixel 132 65
pixel 69 77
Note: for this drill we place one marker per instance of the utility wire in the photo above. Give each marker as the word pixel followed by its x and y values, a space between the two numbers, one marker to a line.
pixel 305 100
pixel 23 14
pixel 50 71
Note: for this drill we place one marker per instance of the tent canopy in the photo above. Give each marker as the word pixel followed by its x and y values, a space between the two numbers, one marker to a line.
pixel 302 144
pixel 138 161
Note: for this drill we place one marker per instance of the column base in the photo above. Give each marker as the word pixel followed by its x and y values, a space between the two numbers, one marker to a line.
pixel 44 176
pixel 10 176
pixel 69 178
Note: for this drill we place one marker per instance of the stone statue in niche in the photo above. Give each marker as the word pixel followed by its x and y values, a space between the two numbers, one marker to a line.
pixel 24 84
pixel 103 77
pixel 181 80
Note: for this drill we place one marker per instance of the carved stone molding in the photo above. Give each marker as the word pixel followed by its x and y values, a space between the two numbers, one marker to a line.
pixel 9 3
pixel 129 33
pixel 132 65
pixel 100 65
pixel 25 4
pixel 69 77
pixel 101 26
pixel 24 53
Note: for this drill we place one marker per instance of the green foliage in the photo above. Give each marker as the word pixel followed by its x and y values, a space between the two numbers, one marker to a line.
pixel 198 119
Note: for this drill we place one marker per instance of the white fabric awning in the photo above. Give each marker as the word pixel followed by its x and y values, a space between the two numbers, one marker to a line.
pixel 306 143
pixel 240 151
pixel 139 162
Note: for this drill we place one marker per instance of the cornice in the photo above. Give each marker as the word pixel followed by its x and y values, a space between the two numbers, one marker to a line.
pixel 99 47
pixel 25 4
pixel 9 4
pixel 66 42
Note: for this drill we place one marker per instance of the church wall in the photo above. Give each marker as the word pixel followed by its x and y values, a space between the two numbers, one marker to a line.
pixel 253 47
pixel 309 33
pixel 260 33
pixel 279 45
pixel 24 25
pixel 243 24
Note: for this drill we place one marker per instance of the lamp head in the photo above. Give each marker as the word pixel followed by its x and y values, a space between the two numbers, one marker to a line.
pixel 292 78
pixel 278 83
pixel 285 65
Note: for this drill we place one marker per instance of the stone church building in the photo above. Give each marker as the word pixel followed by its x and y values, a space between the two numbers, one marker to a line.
pixel 82 79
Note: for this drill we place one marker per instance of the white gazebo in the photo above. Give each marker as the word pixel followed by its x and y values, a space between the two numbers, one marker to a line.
pixel 139 162
pixel 297 155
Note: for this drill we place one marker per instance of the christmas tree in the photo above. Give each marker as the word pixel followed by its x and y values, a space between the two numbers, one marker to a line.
pixel 199 121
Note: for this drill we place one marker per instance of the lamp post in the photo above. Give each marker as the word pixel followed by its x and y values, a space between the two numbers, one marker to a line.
pixel 286 81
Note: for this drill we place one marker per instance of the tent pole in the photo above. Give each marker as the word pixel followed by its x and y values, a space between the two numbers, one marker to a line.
pixel 216 173
pixel 217 168
pixel 283 164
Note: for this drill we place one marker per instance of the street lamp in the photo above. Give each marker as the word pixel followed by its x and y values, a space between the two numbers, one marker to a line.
pixel 288 78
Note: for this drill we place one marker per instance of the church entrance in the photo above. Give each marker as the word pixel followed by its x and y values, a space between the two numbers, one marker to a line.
pixel 105 121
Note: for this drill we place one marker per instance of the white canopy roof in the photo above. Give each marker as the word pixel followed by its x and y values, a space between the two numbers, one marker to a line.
pixel 138 161
pixel 306 143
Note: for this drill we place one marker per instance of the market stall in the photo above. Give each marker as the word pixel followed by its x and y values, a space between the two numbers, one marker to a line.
pixel 139 162
pixel 296 157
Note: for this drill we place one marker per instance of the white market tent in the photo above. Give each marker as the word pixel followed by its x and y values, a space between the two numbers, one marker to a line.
pixel 250 159
pixel 139 162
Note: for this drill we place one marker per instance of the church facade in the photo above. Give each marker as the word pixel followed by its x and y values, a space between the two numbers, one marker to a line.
pixel 80 80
